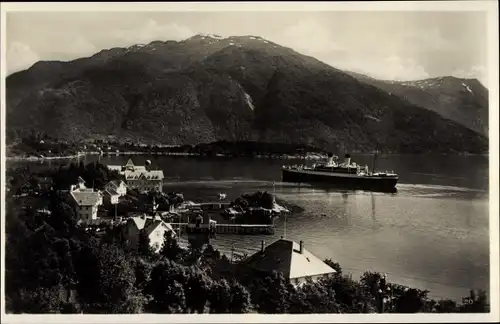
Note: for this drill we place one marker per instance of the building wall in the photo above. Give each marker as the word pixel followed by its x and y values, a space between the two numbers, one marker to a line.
pixel 87 213
pixel 122 190
pixel 146 185
pixel 113 199
pixel 156 238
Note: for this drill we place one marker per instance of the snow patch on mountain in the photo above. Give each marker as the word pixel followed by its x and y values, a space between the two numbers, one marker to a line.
pixel 468 88
pixel 249 101
pixel 210 36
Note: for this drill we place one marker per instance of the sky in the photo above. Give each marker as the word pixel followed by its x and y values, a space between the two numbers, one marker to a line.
pixel 385 45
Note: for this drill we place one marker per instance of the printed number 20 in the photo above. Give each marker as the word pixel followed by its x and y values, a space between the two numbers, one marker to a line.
pixel 467 301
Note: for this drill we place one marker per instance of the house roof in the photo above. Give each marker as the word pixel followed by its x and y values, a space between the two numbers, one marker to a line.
pixel 129 163
pixel 115 183
pixel 85 198
pixel 284 256
pixel 111 192
pixel 149 224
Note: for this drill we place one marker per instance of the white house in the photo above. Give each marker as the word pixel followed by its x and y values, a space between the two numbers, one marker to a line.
pixel 140 177
pixel 111 196
pixel 291 259
pixel 144 180
pixel 118 186
pixel 155 229
pixel 86 204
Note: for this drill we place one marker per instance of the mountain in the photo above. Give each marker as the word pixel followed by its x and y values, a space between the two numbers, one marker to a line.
pixel 209 88
pixel 462 100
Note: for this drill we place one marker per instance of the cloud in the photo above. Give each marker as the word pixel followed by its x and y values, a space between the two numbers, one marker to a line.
pixel 80 47
pixel 428 40
pixel 152 31
pixel 474 72
pixel 19 57
pixel 385 68
pixel 309 37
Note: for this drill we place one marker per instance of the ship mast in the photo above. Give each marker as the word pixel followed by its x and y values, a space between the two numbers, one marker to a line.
pixel 374 158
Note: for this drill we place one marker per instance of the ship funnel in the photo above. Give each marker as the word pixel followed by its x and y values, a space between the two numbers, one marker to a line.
pixel 347 159
pixel 330 159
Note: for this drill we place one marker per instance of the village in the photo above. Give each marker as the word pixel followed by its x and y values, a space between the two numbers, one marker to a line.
pixel 135 205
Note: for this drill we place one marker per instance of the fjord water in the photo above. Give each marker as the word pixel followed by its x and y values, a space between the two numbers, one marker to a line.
pixel 432 234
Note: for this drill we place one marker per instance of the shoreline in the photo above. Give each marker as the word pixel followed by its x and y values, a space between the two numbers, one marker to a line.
pixel 38 158
pixel 184 154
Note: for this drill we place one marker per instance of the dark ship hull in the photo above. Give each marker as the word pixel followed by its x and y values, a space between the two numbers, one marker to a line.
pixel 377 182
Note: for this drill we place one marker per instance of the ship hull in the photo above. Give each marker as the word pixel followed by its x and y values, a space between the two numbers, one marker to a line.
pixel 347 181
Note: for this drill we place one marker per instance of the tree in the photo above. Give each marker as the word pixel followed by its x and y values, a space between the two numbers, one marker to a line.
pixel 272 295
pixel 411 301
pixel 197 290
pixel 166 288
pixel 334 265
pixel 242 202
pixel 63 216
pixel 170 249
pixel 446 306
pixel 142 270
pixel 106 281
pixel 313 297
pixel 240 298
pixel 220 297
pixel 37 301
pixel 349 294
pixel 267 200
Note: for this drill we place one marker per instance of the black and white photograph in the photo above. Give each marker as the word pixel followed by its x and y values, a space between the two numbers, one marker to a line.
pixel 205 162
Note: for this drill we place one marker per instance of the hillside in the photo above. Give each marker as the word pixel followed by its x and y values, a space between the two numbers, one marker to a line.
pixel 210 88
pixel 462 100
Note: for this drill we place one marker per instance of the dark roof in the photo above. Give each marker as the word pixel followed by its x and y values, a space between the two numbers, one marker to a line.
pixel 284 256
pixel 111 192
pixel 151 225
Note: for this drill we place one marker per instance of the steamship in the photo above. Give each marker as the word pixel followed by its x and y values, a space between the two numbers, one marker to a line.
pixel 344 174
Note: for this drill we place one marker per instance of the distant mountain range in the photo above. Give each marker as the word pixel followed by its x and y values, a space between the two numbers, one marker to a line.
pixel 209 88
pixel 462 100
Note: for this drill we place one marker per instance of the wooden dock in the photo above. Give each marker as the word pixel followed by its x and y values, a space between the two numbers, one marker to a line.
pixel 245 229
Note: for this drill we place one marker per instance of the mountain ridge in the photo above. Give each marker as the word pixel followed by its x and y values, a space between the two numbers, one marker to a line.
pixel 449 96
pixel 205 89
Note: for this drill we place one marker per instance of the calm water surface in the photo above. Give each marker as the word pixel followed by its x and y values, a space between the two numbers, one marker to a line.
pixel 432 234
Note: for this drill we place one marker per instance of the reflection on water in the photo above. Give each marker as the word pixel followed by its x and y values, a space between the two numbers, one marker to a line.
pixel 432 234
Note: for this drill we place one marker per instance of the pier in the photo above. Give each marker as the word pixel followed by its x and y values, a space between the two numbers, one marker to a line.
pixel 224 228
